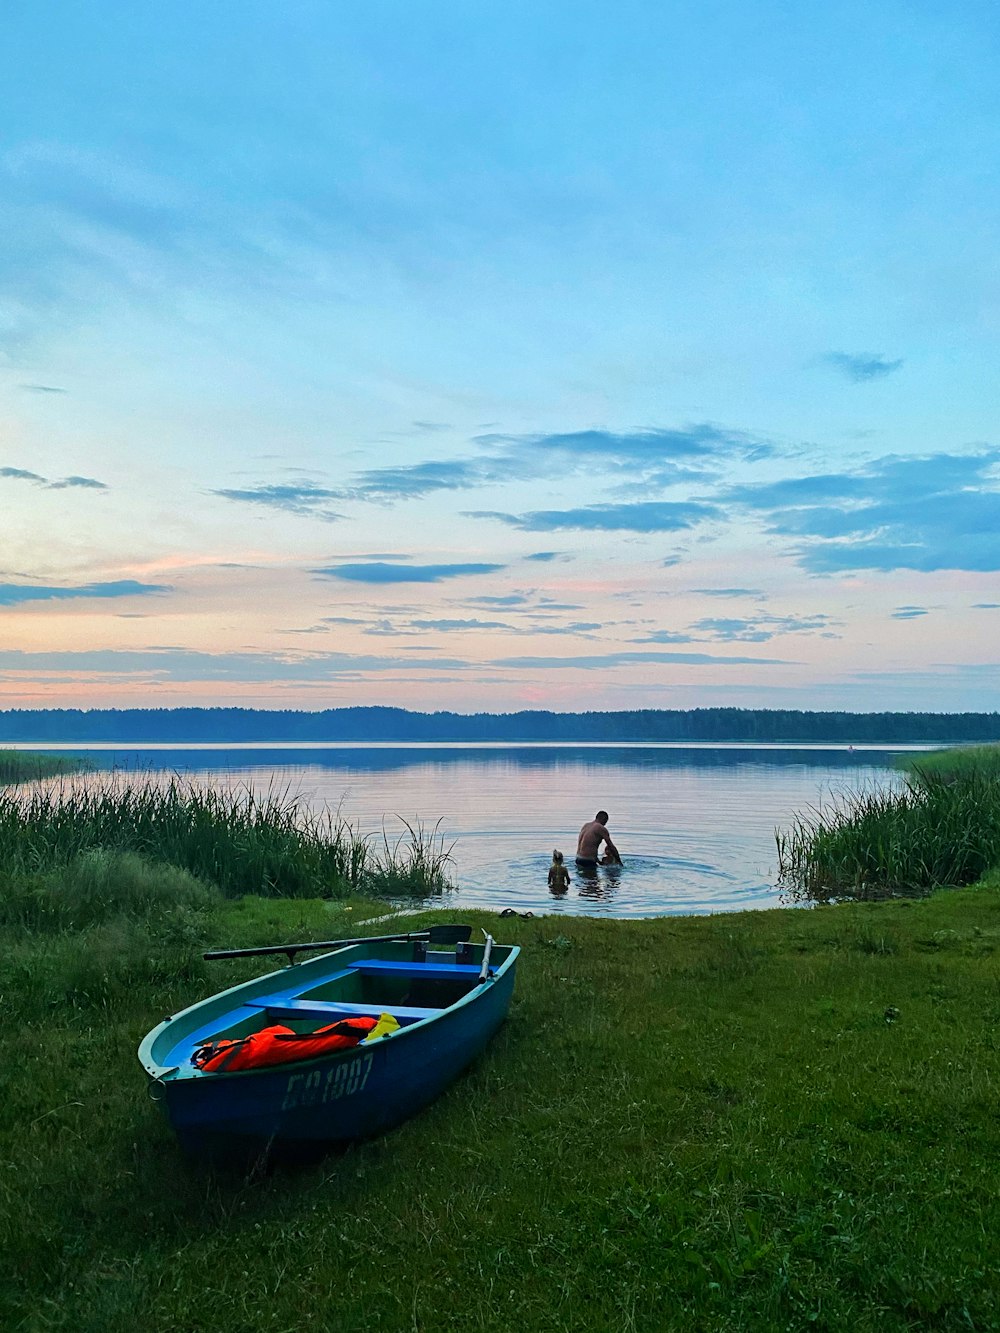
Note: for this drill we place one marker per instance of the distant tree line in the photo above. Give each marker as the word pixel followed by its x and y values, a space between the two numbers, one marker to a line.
pixel 223 725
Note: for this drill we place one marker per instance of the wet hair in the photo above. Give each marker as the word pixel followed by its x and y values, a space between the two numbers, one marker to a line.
pixel 557 857
pixel 601 816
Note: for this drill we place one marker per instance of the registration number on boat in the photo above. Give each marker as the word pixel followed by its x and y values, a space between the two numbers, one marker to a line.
pixel 319 1086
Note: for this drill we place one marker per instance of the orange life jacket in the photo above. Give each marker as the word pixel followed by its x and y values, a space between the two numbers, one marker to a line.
pixel 278 1045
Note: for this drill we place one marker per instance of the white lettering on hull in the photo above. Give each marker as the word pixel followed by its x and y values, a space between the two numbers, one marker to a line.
pixel 319 1086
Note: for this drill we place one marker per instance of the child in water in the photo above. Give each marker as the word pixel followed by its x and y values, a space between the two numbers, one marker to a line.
pixel 558 874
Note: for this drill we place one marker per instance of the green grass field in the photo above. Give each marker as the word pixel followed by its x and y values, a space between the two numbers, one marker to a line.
pixel 766 1120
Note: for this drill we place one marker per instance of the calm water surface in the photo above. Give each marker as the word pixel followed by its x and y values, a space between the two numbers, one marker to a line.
pixel 695 824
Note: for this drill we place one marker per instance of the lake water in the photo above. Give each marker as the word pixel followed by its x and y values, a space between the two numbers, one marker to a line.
pixel 694 823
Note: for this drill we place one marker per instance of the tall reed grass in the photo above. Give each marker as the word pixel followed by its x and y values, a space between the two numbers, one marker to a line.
pixel 942 828
pixel 953 765
pixel 24 766
pixel 415 864
pixel 268 844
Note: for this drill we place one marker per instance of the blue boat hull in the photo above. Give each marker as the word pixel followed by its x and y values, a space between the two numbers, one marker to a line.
pixel 350 1095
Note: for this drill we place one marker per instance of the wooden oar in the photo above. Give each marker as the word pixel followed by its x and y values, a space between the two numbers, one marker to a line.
pixel 449 934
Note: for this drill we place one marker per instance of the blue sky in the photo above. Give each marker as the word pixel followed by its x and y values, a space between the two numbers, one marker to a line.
pixel 489 357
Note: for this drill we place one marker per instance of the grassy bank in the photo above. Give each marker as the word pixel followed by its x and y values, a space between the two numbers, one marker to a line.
pixel 941 828
pixel 764 1120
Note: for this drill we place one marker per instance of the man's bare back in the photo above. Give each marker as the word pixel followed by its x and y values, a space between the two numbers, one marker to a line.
pixel 588 843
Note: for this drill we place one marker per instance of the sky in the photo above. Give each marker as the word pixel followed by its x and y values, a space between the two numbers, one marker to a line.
pixel 485 357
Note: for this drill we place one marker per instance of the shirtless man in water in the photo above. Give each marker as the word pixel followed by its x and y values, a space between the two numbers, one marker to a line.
pixel 588 844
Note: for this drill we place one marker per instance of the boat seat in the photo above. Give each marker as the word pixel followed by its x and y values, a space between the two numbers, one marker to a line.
pixel 413 971
pixel 278 1006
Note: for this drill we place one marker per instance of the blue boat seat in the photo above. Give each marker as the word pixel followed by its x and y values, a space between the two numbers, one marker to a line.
pixel 413 971
pixel 279 1006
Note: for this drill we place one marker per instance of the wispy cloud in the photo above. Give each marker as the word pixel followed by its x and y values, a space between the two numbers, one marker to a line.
pixel 659 457
pixel 641 516
pixel 728 592
pixel 42 388
pixel 302 498
pixel 665 636
pixel 652 446
pixel 579 628
pixel 927 513
pixel 381 572
pixel 583 628
pixel 511 599
pixel 88 224
pixel 794 492
pixel 417 479
pixel 100 189
pixel 909 612
pixel 759 629
pixel 14 594
pixel 22 474
pixel 387 629
pixel 533 605
pixel 426 625
pixel 188 665
pixel 862 366
pixel 448 626
pixel 749 629
pixel 602 661
pixel 85 483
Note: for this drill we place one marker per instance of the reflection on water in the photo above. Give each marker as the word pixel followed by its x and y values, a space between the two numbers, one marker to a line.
pixel 599 882
pixel 695 825
pixel 385 757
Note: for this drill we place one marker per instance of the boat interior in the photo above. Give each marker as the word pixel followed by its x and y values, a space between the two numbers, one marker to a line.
pixel 409 990
pixel 407 979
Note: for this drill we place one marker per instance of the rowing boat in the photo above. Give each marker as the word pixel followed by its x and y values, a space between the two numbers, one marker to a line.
pixel 443 1006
